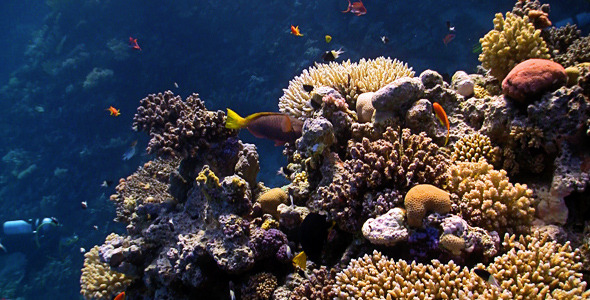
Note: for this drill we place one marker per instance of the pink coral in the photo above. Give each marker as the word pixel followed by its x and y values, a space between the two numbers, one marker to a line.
pixel 531 78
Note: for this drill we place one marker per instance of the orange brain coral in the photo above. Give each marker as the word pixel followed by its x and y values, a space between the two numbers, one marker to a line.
pixel 424 198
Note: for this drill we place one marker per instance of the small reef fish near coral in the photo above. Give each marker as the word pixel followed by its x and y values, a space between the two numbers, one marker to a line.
pixel 402 169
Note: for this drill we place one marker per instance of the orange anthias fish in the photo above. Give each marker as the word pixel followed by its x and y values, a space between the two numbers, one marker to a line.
pixel 441 115
pixel 114 112
pixel 357 8
pixel 133 44
pixel 121 296
pixel 295 30
pixel 448 38
pixel 278 127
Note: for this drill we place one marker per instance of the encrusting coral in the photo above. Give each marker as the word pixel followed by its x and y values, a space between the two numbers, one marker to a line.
pixel 512 41
pixel 350 79
pixel 177 127
pixel 147 186
pixel 98 281
pixel 485 198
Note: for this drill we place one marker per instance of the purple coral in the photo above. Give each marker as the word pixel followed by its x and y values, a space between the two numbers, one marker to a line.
pixel 179 128
pixel 267 242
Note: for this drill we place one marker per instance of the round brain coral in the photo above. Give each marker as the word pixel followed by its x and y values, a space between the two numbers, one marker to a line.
pixel 350 79
pixel 512 41
pixel 425 198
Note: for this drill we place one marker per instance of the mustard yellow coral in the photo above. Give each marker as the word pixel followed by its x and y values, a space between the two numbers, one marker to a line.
pixel 536 268
pixel 473 148
pixel 512 41
pixel 350 79
pixel 98 280
pixel 487 199
pixel 424 198
pixel 270 200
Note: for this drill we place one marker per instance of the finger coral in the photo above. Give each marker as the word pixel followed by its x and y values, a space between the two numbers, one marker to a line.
pixel 535 267
pixel 177 127
pixel 512 41
pixel 397 161
pixel 473 148
pixel 350 79
pixel 424 198
pixel 98 281
pixel 488 200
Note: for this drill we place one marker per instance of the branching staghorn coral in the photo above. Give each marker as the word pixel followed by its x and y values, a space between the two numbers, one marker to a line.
pixel 486 199
pixel 512 41
pixel 390 166
pixel 148 185
pixel 98 281
pixel 350 79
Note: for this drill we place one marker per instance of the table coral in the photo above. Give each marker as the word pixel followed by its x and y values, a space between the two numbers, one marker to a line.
pixel 512 40
pixel 98 281
pixel 350 79
pixel 487 199
pixel 425 198
pixel 177 127
pixel 397 161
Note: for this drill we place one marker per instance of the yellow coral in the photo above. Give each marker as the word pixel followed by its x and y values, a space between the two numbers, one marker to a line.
pixel 350 79
pixel 487 199
pixel 270 200
pixel 424 198
pixel 453 243
pixel 473 148
pixel 535 268
pixel 98 280
pixel 480 92
pixel 512 41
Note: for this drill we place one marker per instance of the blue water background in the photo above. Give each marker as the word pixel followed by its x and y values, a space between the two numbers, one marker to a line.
pixel 236 54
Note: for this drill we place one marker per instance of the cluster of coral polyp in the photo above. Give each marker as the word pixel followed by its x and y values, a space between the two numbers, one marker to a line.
pixel 391 209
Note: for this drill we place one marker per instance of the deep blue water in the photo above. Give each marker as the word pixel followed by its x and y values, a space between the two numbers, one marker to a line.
pixel 236 54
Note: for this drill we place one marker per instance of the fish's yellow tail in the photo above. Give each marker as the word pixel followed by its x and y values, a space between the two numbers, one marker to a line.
pixel 234 121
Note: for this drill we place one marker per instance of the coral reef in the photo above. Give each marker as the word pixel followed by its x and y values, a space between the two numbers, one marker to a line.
pixel 270 200
pixel 177 127
pixel 98 281
pixel 487 199
pixel 559 39
pixel 350 79
pixel 259 287
pixel 399 160
pixel 528 80
pixel 512 41
pixel 473 148
pixel 394 99
pixel 387 229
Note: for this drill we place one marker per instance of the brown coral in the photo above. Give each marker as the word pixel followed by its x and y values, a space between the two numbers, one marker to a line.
pixel 270 200
pixel 149 184
pixel 259 287
pixel 473 148
pixel 390 165
pixel 425 198
pixel 487 199
pixel 177 127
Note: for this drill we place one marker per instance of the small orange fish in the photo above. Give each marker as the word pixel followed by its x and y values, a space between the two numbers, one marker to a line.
pixel 357 8
pixel 114 112
pixel 121 296
pixel 448 38
pixel 133 44
pixel 441 115
pixel 278 127
pixel 295 30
